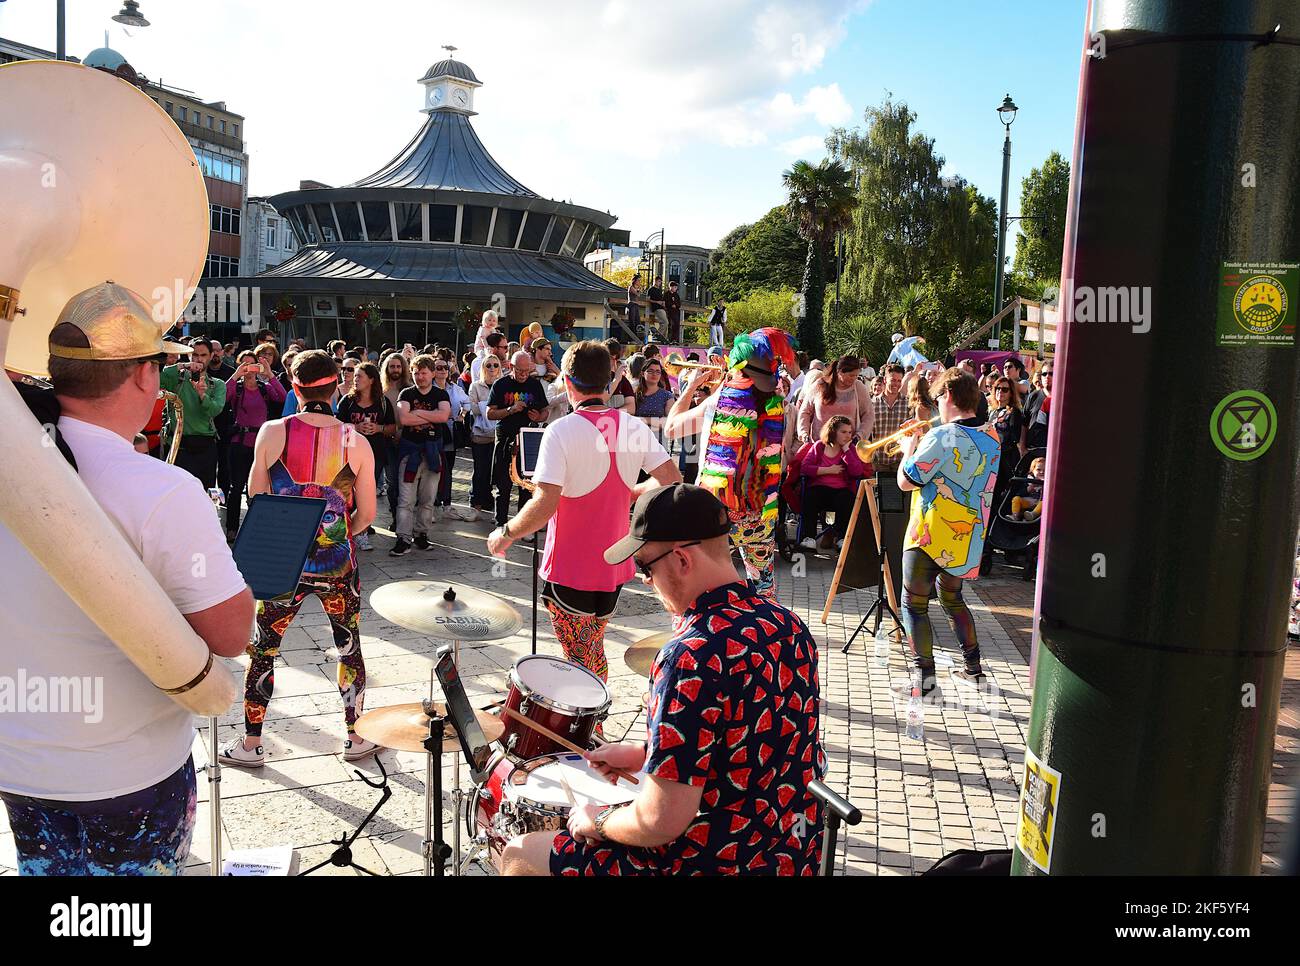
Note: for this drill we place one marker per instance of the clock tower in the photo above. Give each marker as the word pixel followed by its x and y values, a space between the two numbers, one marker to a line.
pixel 449 86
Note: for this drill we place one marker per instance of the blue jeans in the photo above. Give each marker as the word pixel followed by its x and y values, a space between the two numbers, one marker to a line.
pixel 919 575
pixel 390 478
pixel 144 833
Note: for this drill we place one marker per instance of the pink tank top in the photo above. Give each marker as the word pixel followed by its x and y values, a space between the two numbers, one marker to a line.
pixel 584 526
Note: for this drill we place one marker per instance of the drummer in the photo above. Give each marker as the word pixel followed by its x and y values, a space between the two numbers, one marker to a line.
pixel 733 740
pixel 583 500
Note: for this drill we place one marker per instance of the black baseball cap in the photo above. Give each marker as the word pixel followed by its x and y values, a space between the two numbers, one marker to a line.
pixel 671 513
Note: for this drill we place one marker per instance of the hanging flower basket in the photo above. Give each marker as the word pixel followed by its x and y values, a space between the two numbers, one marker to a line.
pixel 562 322
pixel 284 310
pixel 368 314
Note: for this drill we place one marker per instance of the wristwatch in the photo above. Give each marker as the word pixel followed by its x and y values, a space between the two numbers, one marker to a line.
pixel 603 816
pixel 505 530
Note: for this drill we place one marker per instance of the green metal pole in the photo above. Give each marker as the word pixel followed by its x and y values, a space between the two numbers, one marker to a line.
pixel 1172 504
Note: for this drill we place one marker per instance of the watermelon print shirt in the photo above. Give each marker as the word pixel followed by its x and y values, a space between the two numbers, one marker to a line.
pixel 733 709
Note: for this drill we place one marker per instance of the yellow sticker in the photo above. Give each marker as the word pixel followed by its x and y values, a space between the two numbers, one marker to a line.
pixel 1040 796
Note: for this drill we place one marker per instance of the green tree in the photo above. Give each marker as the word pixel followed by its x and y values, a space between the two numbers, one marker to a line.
pixel 768 254
pixel 821 203
pixel 1043 198
pixel 760 308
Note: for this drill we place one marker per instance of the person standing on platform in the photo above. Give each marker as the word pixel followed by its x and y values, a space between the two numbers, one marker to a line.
pixel 673 309
pixel 586 479
pixel 202 399
pixel 953 470
pixel 718 323
pixel 655 296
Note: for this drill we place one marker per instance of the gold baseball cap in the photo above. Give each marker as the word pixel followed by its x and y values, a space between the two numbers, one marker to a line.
pixel 117 322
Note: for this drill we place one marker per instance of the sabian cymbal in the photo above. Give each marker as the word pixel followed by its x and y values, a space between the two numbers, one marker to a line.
pixel 640 657
pixel 444 610
pixel 405 726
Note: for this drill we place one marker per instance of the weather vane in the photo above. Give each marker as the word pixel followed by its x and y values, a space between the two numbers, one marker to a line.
pixel 451 51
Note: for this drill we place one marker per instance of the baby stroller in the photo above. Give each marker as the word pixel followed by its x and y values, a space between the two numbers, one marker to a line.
pixel 1010 535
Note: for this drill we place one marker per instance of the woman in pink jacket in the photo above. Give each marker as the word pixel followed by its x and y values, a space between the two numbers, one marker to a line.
pixel 832 469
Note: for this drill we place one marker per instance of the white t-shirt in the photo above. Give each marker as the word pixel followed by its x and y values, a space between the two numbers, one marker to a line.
pixel 575 456
pixel 123 734
pixel 706 427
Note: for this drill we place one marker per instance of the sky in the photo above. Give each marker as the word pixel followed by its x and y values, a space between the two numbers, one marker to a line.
pixel 674 115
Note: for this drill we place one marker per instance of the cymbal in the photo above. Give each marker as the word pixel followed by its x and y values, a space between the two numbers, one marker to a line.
pixel 445 610
pixel 405 726
pixel 640 657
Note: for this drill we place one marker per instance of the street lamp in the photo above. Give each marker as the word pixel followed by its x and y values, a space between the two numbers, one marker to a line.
pixel 1006 114
pixel 130 14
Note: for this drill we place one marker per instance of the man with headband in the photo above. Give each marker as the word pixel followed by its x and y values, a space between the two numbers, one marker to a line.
pixel 586 479
pixel 741 427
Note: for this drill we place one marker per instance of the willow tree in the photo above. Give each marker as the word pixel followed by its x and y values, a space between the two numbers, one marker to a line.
pixel 820 201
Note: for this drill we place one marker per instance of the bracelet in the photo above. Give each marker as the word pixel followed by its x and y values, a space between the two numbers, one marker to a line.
pixel 505 530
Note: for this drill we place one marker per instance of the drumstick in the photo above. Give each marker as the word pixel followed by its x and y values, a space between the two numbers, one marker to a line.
pixel 563 742
pixel 568 792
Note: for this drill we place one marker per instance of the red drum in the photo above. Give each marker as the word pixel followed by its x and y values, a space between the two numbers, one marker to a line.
pixel 534 796
pixel 561 696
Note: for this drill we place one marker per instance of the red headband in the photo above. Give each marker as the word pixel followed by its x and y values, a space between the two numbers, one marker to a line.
pixel 319 382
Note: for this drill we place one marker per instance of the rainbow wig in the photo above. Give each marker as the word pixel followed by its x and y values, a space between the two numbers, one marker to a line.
pixel 742 461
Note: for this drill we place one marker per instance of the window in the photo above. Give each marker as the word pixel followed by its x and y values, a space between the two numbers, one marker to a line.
pixel 223 127
pixel 442 222
pixel 534 231
pixel 575 236
pixel 219 166
pixel 170 107
pixel 474 223
pixel 507 227
pixel 270 233
pixel 185 114
pixel 349 220
pixel 236 129
pixel 309 223
pixel 209 121
pixel 690 273
pixel 410 221
pixel 325 219
pixel 298 222
pixel 378 226
pixel 674 271
pixel 224 219
pixel 558 231
pixel 221 266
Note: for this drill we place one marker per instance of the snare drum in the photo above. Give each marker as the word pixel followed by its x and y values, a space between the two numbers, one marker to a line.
pixel 531 797
pixel 558 695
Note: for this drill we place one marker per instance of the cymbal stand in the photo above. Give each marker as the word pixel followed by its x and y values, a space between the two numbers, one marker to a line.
pixel 436 852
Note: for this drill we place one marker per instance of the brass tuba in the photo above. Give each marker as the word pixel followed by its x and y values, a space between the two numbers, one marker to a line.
pixel 96 183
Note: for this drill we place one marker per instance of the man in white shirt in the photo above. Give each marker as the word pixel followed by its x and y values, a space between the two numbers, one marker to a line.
pixel 586 480
pixel 107 787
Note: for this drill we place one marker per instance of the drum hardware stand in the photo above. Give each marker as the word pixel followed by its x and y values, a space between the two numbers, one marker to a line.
pixel 534 592
pixel 436 852
pixel 341 857
pixel 214 795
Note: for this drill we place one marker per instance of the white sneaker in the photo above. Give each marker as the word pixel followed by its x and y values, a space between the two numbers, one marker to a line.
pixel 236 754
pixel 358 748
pixel 434 513
pixel 808 543
pixel 363 541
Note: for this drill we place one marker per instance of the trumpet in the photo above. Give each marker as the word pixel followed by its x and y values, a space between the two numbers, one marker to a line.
pixel 674 365
pixel 891 444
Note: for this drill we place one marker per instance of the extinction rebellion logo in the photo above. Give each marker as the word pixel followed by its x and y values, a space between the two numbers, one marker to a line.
pixel 1260 304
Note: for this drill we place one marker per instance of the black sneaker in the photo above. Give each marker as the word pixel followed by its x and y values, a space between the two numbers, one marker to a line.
pixel 973 679
pixel 929 684
pixel 400 549
pixel 422 541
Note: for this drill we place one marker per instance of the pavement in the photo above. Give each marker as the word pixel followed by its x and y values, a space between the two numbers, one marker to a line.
pixel 920 800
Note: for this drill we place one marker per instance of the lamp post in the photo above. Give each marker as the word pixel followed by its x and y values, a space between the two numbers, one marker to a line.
pixel 1006 114
pixel 129 15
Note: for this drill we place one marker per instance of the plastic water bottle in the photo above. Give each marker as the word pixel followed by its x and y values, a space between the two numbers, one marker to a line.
pixel 916 714
pixel 882 648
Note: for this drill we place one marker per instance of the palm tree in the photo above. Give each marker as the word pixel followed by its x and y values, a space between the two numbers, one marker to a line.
pixel 820 201
pixel 906 306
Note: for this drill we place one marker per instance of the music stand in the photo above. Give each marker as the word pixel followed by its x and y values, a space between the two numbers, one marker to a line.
pixel 530 445
pixel 862 558
pixel 270 552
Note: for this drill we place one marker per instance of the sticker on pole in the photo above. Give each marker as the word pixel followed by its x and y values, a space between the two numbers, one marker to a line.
pixel 1040 799
pixel 1243 425
pixel 1255 304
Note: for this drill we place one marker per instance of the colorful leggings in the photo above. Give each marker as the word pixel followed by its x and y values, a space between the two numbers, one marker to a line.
pixel 582 637
pixel 919 574
pixel 144 833
pixel 755 538
pixel 341 597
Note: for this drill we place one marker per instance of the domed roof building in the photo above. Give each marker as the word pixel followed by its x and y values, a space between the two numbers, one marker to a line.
pixel 438 234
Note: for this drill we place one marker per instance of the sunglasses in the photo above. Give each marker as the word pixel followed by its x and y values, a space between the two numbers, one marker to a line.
pixel 494 365
pixel 439 368
pixel 646 567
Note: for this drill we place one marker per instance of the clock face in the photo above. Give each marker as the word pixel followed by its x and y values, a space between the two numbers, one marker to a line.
pixel 435 96
pixel 460 96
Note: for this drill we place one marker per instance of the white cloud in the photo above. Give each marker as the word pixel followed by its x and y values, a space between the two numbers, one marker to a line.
pixel 809 147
